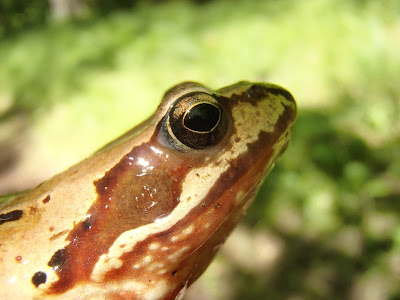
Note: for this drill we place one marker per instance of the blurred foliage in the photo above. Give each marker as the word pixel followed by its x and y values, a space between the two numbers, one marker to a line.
pixel 337 208
pixel 18 15
pixel 331 206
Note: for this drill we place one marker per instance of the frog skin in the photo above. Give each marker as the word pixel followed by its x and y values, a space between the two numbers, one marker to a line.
pixel 144 216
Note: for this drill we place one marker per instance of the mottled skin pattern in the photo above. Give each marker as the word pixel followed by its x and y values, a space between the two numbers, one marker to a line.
pixel 144 216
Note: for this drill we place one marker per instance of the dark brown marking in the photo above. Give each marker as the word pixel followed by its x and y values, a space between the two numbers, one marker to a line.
pixel 46 200
pixel 217 163
pixel 87 224
pixel 234 163
pixel 282 92
pixel 58 259
pixel 33 210
pixel 39 278
pixel 14 215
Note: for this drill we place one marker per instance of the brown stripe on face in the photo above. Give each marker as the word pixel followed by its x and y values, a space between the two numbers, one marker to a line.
pixel 143 186
pixel 249 168
pixel 244 173
pixel 146 184
pixel 242 176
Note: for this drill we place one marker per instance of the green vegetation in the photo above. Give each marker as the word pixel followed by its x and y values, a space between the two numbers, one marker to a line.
pixel 331 207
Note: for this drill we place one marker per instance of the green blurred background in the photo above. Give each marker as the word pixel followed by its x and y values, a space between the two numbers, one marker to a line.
pixel 75 74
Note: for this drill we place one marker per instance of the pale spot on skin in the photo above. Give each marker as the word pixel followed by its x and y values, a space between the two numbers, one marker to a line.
pixel 116 263
pixel 210 212
pixel 105 265
pixel 154 266
pixel 132 288
pixel 239 196
pixel 157 293
pixel 165 248
pixel 136 266
pixel 175 256
pixel 154 246
pixel 147 259
pixel 174 238
pixel 188 230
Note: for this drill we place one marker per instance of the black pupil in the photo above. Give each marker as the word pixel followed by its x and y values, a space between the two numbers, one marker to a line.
pixel 202 117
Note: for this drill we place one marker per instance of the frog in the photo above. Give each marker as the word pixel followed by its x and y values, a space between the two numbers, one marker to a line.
pixel 144 216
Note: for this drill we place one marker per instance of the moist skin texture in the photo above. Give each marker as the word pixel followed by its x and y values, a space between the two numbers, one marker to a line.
pixel 144 216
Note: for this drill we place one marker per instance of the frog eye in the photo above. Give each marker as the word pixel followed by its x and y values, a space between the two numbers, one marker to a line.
pixel 197 120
